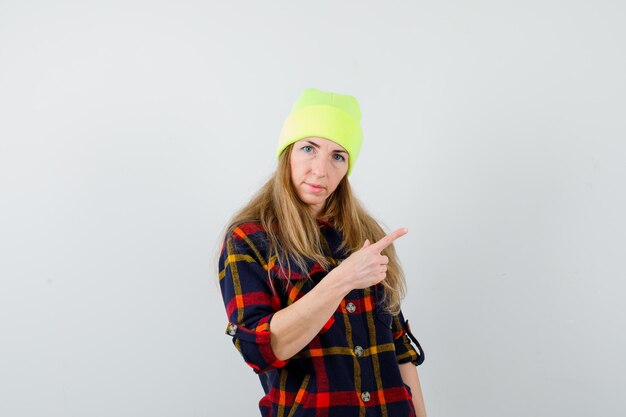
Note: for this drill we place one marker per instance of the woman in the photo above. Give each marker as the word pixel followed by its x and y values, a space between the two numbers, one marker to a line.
pixel 305 257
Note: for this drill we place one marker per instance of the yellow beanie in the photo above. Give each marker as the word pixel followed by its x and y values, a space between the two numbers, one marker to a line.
pixel 327 115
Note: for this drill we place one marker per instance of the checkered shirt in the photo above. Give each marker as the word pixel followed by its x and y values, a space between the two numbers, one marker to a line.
pixel 349 369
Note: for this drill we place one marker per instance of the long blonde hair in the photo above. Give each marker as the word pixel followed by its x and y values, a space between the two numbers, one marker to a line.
pixel 293 231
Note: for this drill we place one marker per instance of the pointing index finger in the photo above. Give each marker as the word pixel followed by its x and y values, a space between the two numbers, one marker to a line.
pixel 389 238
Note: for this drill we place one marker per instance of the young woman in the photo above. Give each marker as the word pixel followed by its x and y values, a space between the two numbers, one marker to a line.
pixel 311 283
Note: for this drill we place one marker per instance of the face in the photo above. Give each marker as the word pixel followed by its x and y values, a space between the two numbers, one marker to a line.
pixel 317 167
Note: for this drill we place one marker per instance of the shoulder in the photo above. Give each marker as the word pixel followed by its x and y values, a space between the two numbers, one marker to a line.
pixel 248 236
pixel 246 229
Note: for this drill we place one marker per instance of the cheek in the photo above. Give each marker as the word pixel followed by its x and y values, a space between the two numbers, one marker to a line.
pixel 293 167
pixel 337 181
pixel 298 167
pixel 295 172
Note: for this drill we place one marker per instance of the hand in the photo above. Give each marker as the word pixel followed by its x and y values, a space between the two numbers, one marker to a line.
pixel 366 266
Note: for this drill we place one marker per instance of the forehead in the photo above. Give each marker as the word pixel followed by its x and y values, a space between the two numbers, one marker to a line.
pixel 322 142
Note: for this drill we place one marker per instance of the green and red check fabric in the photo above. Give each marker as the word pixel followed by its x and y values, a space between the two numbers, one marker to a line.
pixel 349 369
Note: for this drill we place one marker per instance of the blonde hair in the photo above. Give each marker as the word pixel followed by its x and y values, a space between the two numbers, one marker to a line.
pixel 293 231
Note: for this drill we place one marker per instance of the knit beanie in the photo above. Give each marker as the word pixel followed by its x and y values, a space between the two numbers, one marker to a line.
pixel 329 115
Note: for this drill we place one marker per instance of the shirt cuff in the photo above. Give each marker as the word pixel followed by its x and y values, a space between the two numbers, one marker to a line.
pixel 254 345
pixel 405 351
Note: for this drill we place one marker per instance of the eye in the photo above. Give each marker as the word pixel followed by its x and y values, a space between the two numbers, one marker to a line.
pixel 340 156
pixel 306 146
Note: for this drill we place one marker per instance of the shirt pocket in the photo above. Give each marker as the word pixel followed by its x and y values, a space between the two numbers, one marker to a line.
pixel 383 326
pixel 384 317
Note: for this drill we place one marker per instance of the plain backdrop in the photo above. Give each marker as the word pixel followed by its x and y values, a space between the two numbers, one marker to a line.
pixel 130 131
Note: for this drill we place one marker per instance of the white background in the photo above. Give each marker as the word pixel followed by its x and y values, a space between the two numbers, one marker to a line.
pixel 130 131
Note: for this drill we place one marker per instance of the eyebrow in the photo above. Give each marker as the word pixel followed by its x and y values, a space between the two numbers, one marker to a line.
pixel 317 146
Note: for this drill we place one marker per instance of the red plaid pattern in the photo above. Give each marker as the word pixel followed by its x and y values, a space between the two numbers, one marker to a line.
pixel 350 368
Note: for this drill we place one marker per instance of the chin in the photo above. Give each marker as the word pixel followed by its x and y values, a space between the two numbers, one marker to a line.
pixel 311 202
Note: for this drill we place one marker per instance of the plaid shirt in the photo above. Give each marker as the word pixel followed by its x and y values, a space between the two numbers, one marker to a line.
pixel 350 368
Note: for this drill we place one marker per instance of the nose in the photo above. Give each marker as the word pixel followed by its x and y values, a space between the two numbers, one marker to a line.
pixel 318 166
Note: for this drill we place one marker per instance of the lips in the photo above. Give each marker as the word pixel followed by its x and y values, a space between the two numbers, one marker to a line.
pixel 314 185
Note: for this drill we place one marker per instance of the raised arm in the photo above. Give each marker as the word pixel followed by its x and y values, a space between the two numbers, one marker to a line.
pixel 295 326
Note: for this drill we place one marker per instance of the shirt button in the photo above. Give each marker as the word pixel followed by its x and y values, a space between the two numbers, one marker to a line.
pixel 232 329
pixel 350 307
pixel 365 396
pixel 358 350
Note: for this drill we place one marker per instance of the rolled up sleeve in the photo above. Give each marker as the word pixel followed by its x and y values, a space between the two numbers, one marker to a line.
pixel 405 350
pixel 249 300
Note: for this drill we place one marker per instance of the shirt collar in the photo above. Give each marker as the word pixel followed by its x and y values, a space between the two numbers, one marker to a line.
pixel 324 223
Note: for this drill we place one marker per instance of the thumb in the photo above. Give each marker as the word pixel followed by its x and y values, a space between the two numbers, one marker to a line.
pixel 366 244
